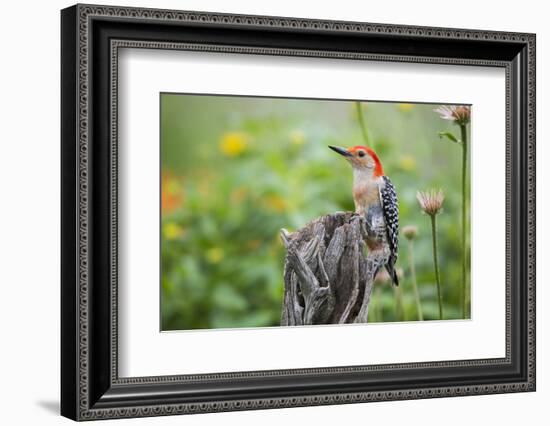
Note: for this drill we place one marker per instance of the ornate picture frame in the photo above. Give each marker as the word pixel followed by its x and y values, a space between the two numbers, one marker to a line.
pixel 91 37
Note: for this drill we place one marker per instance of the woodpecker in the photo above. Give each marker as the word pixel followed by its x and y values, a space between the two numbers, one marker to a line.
pixel 376 201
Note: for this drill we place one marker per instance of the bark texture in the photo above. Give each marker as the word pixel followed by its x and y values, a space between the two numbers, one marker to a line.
pixel 327 277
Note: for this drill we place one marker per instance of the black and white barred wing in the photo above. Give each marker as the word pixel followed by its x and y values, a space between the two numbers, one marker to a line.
pixel 388 199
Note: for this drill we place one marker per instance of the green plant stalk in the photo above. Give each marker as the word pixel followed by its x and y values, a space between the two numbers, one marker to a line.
pixel 378 295
pixel 362 124
pixel 464 136
pixel 415 286
pixel 436 265
pixel 399 313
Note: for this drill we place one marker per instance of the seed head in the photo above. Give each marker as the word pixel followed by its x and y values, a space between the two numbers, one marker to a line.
pixel 458 113
pixel 410 232
pixel 400 273
pixel 382 277
pixel 431 201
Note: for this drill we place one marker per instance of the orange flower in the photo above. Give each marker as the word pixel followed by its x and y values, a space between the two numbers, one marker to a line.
pixel 238 195
pixel 253 244
pixel 172 195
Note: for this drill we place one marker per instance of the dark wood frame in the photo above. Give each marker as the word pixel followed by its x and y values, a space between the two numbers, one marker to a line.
pixel 91 37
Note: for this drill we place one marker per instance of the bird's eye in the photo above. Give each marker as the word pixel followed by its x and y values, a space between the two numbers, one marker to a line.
pixel 361 153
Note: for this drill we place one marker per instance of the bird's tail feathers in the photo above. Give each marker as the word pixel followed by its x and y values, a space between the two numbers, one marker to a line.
pixel 393 274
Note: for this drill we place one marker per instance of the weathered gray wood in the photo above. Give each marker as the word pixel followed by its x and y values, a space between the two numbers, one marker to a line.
pixel 328 278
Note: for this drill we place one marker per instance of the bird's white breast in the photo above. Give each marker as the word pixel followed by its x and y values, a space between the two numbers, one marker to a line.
pixel 366 190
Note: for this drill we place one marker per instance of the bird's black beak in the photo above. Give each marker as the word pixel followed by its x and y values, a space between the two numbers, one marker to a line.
pixel 341 151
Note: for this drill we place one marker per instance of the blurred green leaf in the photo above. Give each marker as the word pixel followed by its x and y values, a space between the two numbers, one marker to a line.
pixel 449 136
pixel 226 297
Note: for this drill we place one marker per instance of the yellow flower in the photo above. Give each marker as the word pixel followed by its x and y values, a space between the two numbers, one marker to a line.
pixel 405 107
pixel 233 143
pixel 215 254
pixel 407 163
pixel 172 231
pixel 297 137
pixel 275 203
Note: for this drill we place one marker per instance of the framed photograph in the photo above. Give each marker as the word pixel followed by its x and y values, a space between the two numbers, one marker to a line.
pixel 263 212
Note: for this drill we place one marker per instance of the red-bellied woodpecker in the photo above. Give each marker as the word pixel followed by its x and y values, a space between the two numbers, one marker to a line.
pixel 376 201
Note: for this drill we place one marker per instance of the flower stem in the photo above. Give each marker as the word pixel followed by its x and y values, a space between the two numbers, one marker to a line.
pixel 362 124
pixel 436 265
pixel 464 136
pixel 415 286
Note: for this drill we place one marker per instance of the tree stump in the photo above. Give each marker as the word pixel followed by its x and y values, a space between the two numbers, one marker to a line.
pixel 327 276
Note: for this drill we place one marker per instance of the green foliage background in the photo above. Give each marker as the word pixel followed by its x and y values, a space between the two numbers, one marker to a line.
pixel 235 170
